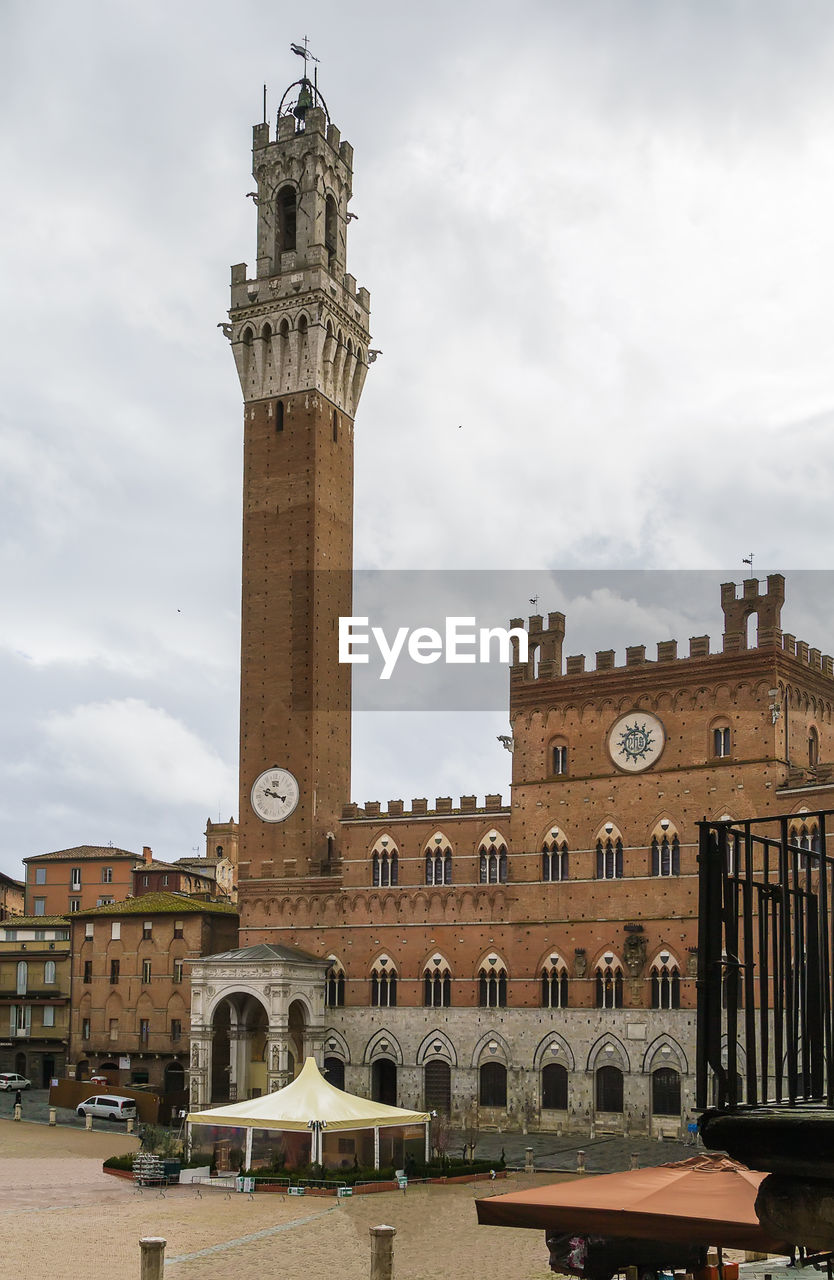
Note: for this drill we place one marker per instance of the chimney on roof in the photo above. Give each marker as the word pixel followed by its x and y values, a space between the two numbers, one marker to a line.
pixel 147 853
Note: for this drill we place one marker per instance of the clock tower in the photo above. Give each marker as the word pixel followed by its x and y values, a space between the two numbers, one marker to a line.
pixel 299 332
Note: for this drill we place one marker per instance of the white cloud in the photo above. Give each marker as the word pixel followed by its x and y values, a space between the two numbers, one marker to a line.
pixel 127 748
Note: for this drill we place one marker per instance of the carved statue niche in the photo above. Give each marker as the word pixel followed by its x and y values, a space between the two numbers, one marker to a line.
pixel 692 963
pixel 635 953
pixel 580 964
pixel 195 1056
pixel 276 1057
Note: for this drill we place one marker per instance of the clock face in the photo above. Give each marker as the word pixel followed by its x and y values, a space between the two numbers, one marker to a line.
pixel 274 795
pixel 636 741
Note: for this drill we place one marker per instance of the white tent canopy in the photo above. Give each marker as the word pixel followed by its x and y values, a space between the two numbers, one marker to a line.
pixel 307 1101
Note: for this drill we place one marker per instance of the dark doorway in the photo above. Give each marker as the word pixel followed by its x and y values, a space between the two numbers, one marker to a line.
pixel 554 1087
pixel 384 1082
pixel 82 1069
pixel 334 1072
pixel 493 1081
pixel 666 1092
pixel 609 1089
pixel 438 1081
pixel 174 1077
pixel 47 1069
pixel 20 1063
pixel 220 1058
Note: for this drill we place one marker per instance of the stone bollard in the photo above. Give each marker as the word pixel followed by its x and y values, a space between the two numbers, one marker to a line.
pixel 528 1159
pixel 52 1116
pixel 634 1161
pixel 88 1120
pixel 17 1111
pixel 580 1162
pixel 382 1252
pixel 152 1261
pixel 130 1124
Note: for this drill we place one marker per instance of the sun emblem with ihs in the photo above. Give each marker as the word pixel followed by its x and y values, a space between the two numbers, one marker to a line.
pixel 636 741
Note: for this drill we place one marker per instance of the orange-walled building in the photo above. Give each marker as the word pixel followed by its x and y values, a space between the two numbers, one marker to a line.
pixel 70 880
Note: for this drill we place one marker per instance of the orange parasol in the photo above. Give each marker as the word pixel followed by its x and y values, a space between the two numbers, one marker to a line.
pixel 707 1200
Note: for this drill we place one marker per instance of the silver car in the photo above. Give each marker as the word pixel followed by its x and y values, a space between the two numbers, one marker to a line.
pixel 9 1080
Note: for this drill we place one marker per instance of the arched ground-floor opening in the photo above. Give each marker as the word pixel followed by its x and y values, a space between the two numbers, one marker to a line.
pixel 438 1087
pixel 384 1081
pixel 20 1064
pixel 334 1072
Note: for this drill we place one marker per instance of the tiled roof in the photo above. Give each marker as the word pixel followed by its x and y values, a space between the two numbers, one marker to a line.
pixel 82 851
pixel 32 922
pixel 198 864
pixel 171 866
pixel 19 884
pixel 266 951
pixel 162 903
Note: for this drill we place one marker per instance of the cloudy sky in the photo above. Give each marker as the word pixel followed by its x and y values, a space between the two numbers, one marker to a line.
pixel 598 237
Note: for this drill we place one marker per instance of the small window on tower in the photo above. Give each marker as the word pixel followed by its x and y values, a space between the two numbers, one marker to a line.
pixel 279 426
pixel 335 426
pixel 286 220
pixel 331 227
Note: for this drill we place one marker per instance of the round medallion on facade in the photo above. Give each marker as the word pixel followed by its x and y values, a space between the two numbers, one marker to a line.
pixel 636 741
pixel 274 795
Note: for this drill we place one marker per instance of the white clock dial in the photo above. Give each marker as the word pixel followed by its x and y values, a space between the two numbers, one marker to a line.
pixel 274 795
pixel 636 741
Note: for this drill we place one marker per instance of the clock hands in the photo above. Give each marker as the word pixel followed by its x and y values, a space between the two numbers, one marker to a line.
pixel 275 795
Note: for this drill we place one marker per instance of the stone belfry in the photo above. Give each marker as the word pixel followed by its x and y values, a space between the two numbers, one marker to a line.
pixel 299 333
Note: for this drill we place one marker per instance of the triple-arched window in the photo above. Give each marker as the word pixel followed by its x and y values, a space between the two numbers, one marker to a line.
pixel 334 989
pixel 438 859
pixel 492 983
pixel 554 983
pixel 555 857
pixel 666 982
pixel 609 984
pixel 385 868
pixel 437 984
pixel 492 858
pixel 384 983
pixel 610 856
pixel 665 852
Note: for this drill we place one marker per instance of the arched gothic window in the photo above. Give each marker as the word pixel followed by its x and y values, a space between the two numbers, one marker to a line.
pixel 805 835
pixel 610 856
pixel 554 983
pixel 492 983
pixel 666 853
pixel 554 857
pixel 554 1087
pixel 334 990
pixel 492 857
pixel 666 1092
pixel 437 984
pixel 721 740
pixel 331 227
pixel 609 983
pixel 438 857
pixel 285 220
pixel 666 982
pixel 492 1084
pixel 558 759
pixel 609 1089
pixel 384 984
pixel 813 747
pixel 384 862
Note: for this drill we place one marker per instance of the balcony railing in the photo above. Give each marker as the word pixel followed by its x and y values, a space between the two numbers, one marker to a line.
pixel 765 950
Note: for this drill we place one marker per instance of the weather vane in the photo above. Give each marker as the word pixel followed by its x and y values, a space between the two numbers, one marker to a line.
pixel 303 51
pixel 748 560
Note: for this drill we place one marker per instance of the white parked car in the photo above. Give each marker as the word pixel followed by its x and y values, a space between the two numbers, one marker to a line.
pixel 8 1080
pixel 111 1106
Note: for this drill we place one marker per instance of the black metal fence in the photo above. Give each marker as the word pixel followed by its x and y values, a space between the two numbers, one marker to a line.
pixel 765 949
